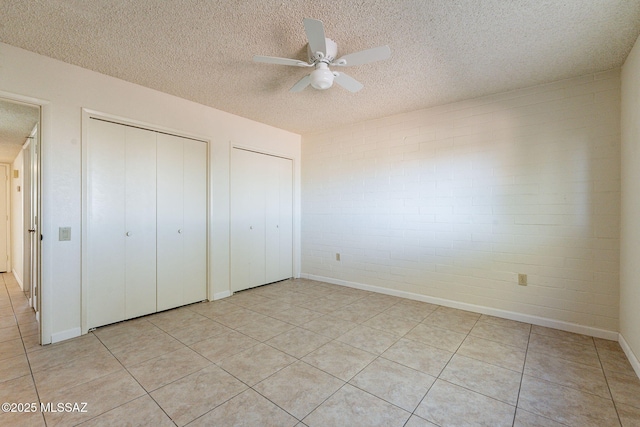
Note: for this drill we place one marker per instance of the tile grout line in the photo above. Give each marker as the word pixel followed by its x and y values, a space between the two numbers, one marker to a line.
pixel 248 307
pixel 401 337
pixel 229 373
pixel 134 378
pixel 322 370
pixel 524 364
pixel 606 379
pixel 443 368
pixel 24 347
pixel 328 373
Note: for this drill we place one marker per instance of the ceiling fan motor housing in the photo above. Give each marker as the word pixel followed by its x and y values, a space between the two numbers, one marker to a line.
pixel 328 57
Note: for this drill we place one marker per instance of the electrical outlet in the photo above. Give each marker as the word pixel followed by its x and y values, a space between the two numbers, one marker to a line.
pixel 337 257
pixel 522 279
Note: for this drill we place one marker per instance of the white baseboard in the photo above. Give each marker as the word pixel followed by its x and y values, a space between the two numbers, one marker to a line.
pixel 511 315
pixel 635 363
pixel 18 279
pixel 65 335
pixel 220 295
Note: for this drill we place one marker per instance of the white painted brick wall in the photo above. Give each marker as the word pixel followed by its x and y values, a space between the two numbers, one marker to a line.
pixel 454 201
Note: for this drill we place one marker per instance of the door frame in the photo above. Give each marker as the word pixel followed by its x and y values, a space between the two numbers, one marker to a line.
pixel 40 266
pixel 33 215
pixel 7 202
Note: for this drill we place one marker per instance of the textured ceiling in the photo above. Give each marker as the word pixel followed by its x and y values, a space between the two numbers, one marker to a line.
pixel 16 123
pixel 442 50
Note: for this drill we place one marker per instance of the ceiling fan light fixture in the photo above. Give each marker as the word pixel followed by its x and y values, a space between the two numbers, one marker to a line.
pixel 321 77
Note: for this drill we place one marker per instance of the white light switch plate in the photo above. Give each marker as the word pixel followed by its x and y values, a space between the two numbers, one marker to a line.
pixel 64 233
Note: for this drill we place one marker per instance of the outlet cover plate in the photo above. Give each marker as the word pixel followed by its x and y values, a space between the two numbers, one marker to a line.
pixel 522 279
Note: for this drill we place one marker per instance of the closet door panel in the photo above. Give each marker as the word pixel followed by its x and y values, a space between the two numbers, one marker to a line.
pixel 272 217
pixel 140 215
pixel 247 220
pixel 106 223
pixel 240 217
pixel 279 219
pixel 194 230
pixel 257 226
pixel 170 202
pixel 285 221
pixel 257 258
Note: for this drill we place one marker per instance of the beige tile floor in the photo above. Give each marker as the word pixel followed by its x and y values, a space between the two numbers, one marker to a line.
pixel 300 352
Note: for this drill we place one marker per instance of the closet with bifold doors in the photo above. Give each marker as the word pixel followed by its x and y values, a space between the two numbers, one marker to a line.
pixel 145 232
pixel 261 194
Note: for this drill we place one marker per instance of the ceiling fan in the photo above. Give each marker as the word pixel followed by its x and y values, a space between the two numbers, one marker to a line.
pixel 322 53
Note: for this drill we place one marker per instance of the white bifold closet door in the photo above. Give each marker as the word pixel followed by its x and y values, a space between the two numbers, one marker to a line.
pixel 261 219
pixel 146 232
pixel 182 240
pixel 121 225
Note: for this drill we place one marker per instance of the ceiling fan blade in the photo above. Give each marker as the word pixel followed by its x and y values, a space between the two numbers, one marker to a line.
pixel 364 56
pixel 280 61
pixel 315 36
pixel 302 83
pixel 347 82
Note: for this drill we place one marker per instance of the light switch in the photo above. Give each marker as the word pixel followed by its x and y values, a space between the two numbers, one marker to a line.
pixel 64 233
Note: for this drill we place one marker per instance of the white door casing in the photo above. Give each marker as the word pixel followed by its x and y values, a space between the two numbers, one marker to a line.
pixel 28 231
pixel 4 218
pixel 34 230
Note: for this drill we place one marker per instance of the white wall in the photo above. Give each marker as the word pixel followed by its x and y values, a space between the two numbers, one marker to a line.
pixel 452 202
pixel 630 222
pixel 17 218
pixel 65 90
